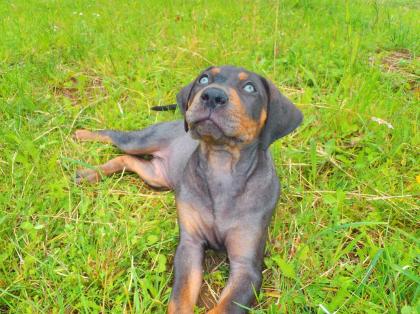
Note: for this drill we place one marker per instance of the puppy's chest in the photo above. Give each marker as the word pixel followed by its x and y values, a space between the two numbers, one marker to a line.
pixel 214 199
pixel 211 204
pixel 210 209
pixel 224 190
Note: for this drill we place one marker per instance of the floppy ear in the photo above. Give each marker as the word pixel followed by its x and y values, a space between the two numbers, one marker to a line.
pixel 183 99
pixel 282 116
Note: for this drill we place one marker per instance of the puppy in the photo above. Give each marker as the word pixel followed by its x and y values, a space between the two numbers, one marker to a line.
pixel 217 161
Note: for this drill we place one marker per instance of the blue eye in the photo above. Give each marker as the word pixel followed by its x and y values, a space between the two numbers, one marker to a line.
pixel 204 80
pixel 249 88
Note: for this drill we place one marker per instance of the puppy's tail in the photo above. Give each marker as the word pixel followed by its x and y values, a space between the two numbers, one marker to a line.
pixel 164 108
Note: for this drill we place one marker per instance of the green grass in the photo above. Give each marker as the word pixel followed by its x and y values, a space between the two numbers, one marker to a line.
pixel 345 234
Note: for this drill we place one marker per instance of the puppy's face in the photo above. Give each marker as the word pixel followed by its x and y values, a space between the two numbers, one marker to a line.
pixel 226 105
pixel 230 105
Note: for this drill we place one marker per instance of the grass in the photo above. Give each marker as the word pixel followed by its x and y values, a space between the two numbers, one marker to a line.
pixel 344 237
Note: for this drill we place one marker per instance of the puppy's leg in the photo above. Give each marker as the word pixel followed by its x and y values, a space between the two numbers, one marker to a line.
pixel 188 276
pixel 141 142
pixel 151 172
pixel 93 136
pixel 245 258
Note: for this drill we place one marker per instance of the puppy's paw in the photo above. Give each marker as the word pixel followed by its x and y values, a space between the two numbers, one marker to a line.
pixel 83 135
pixel 87 175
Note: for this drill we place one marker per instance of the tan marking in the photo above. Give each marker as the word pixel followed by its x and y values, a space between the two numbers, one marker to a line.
pixel 147 170
pixel 188 217
pixel 217 158
pixel 215 71
pixel 215 310
pixel 263 117
pixel 194 103
pixel 234 97
pixel 224 298
pixel 171 307
pixel 118 164
pixel 224 301
pixel 188 295
pixel 88 175
pixel 85 135
pixel 248 129
pixel 243 76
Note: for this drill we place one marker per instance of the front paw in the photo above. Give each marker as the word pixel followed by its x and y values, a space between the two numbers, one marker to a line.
pixel 83 135
pixel 95 136
pixel 88 175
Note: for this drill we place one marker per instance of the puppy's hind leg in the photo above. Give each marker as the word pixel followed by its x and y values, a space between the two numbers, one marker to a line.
pixel 152 172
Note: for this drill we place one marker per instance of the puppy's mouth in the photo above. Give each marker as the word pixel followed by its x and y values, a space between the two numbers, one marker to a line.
pixel 206 120
pixel 209 129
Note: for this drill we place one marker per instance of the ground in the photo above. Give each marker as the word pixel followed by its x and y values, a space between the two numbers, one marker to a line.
pixel 344 237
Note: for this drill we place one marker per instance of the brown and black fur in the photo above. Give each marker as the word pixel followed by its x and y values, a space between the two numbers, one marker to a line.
pixel 217 162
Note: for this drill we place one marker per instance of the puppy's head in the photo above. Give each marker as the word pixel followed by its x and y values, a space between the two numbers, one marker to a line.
pixel 230 105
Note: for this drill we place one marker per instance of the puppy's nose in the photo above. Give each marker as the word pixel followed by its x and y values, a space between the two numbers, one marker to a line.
pixel 214 97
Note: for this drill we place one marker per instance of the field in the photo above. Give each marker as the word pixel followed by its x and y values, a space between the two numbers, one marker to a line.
pixel 345 234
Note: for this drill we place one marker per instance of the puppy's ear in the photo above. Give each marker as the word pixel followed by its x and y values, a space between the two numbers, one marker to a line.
pixel 282 116
pixel 183 99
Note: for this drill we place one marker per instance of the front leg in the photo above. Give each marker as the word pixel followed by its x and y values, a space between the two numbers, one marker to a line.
pixel 130 142
pixel 188 275
pixel 245 251
pixel 141 142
